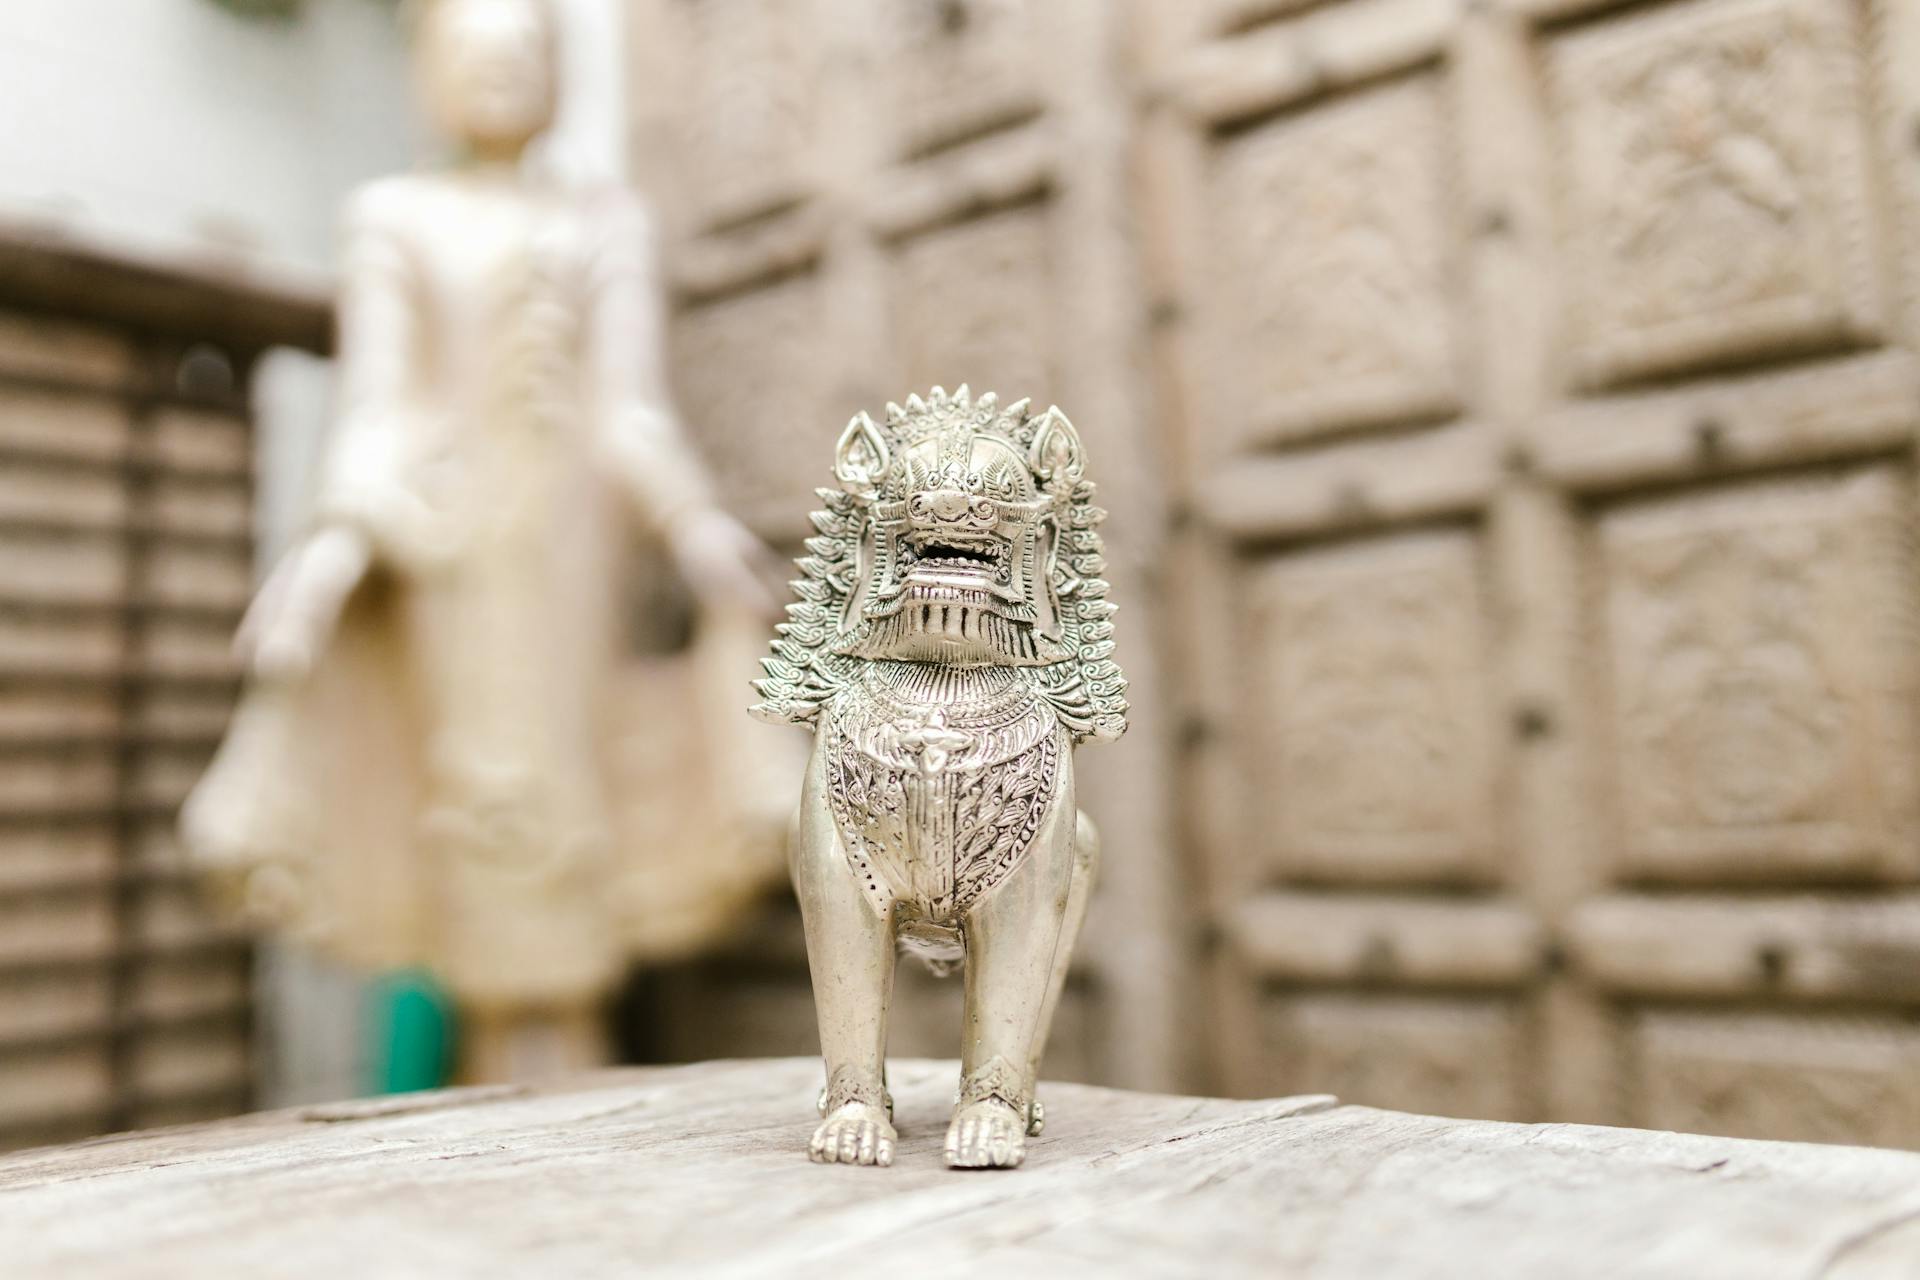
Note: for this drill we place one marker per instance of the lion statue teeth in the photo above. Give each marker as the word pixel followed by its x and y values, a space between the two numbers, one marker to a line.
pixel 950 646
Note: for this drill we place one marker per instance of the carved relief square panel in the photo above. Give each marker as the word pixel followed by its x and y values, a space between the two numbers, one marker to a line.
pixel 747 131
pixel 972 303
pixel 1714 183
pixel 1329 227
pixel 1795 1079
pixel 959 67
pixel 1434 1056
pixel 754 374
pixel 1762 679
pixel 1371 750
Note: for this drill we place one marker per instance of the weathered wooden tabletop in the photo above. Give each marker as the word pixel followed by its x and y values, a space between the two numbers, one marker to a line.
pixel 702 1170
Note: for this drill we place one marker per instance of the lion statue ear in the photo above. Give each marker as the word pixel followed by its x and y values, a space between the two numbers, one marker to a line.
pixel 1056 452
pixel 861 457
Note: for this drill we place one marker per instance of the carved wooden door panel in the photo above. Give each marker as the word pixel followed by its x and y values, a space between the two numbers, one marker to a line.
pixel 864 198
pixel 1541 381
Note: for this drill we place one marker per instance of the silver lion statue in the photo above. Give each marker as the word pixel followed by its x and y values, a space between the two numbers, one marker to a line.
pixel 950 646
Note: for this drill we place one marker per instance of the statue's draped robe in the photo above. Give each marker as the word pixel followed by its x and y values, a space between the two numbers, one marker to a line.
pixel 437 792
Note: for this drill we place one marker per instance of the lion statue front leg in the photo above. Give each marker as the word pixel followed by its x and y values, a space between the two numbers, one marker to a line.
pixel 850 948
pixel 1017 952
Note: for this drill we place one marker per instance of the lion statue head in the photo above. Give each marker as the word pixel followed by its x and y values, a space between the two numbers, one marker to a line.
pixel 961 533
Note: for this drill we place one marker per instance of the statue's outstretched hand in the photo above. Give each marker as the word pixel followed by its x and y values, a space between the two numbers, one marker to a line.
pixel 289 622
pixel 724 563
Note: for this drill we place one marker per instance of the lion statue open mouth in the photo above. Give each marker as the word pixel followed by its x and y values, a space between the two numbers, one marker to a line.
pixel 951 645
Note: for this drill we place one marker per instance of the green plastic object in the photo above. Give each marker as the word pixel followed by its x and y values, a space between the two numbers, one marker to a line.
pixel 411 1031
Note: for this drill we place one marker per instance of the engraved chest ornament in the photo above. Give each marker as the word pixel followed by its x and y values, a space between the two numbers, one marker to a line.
pixel 938 800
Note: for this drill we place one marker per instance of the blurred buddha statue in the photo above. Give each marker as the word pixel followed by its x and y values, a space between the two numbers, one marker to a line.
pixel 426 770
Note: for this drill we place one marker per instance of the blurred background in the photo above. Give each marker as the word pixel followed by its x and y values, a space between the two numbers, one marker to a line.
pixel 1507 408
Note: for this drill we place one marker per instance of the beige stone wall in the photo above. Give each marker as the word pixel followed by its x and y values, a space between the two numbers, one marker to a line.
pixel 1507 409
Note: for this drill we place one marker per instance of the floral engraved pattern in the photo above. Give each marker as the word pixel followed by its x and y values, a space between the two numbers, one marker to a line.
pixel 1372 683
pixel 1760 678
pixel 940 842
pixel 1331 226
pixel 971 302
pixel 1714 183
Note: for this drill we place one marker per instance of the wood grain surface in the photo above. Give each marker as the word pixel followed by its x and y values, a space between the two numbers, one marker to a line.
pixel 701 1170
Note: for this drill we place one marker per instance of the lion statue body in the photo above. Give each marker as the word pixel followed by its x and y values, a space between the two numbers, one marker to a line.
pixel 950 646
